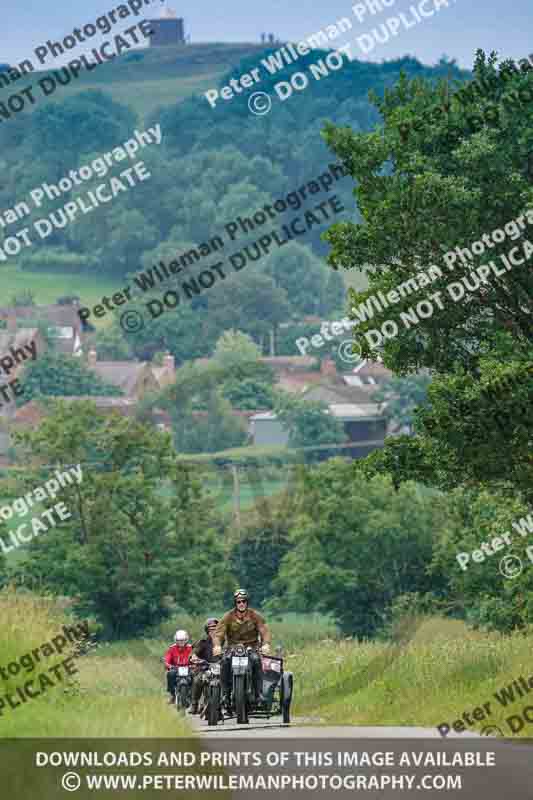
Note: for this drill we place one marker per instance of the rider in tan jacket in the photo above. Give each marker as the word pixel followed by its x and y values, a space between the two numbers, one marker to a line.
pixel 242 625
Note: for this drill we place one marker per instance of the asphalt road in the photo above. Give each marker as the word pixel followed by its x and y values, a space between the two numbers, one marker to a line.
pixel 307 728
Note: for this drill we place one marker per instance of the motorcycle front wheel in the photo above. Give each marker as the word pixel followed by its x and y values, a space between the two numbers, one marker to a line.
pixel 213 704
pixel 240 699
pixel 182 700
pixel 286 696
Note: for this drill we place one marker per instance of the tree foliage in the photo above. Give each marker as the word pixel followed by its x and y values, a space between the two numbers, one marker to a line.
pixel 452 180
pixel 444 186
pixel 202 418
pixel 256 555
pixel 357 544
pixel 308 422
pixel 235 348
pixel 56 375
pixel 142 534
pixel 480 593
pixel 402 396
pixel 249 394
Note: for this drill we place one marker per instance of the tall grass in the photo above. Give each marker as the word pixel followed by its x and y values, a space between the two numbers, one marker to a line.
pixel 113 694
pixel 444 670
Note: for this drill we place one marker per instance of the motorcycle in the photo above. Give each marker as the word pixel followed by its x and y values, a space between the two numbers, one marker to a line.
pixel 183 688
pixel 210 705
pixel 277 688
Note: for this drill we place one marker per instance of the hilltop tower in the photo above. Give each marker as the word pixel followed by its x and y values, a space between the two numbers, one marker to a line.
pixel 167 28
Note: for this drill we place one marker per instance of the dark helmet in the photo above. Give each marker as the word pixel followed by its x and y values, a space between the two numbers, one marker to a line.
pixel 210 623
pixel 241 594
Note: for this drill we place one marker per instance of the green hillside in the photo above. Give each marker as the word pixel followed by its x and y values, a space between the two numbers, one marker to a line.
pixel 152 77
pixel 254 159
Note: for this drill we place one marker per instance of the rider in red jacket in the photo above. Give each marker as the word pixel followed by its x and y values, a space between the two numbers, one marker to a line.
pixel 177 655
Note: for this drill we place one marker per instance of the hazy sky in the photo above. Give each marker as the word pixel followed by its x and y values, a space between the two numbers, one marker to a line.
pixel 456 31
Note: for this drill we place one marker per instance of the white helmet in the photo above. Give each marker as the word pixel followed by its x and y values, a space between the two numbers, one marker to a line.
pixel 181 637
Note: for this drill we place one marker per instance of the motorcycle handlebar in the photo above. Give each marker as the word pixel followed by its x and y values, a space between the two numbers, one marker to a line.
pixel 202 661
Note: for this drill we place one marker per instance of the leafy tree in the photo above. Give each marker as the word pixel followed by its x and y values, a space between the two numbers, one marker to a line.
pixel 308 422
pixel 478 432
pixel 403 458
pixel 257 554
pixel 202 418
pixel 403 396
pixel 248 385
pixel 234 348
pixel 209 429
pixel 240 199
pixel 335 294
pixel 248 301
pixel 357 545
pixel 442 186
pixel 256 371
pixel 478 591
pixel 431 197
pixel 471 434
pixel 131 548
pixel 55 375
pixel 225 167
pixel 111 344
pixel 287 335
pixel 301 274
pixel 182 332
pixel 89 121
pixel 249 394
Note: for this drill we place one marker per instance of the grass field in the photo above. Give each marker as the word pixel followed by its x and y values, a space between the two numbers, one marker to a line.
pixel 115 694
pixel 165 92
pixel 291 631
pixel 47 288
pixel 249 494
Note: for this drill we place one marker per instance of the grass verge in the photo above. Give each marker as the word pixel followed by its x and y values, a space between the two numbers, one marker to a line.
pixel 443 671
pixel 112 695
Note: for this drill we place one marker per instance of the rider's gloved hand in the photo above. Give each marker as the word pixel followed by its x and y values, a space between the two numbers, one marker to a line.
pixel 265 649
pixel 217 650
